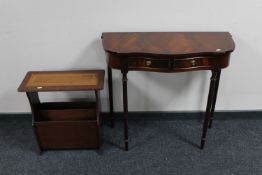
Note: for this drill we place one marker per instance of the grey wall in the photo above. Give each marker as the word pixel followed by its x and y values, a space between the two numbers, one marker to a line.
pixel 65 35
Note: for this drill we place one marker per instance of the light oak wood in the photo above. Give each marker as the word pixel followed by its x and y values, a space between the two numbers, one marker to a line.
pixel 62 80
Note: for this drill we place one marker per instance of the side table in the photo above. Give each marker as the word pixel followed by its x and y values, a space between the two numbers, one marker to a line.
pixel 168 52
pixel 65 125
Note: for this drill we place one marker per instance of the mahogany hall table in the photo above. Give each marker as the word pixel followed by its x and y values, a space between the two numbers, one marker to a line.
pixel 168 52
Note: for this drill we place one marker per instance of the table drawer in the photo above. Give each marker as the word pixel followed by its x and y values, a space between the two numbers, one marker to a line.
pixel 148 63
pixel 192 63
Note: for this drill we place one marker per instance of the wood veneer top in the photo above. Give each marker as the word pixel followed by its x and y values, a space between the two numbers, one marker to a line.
pixel 168 43
pixel 35 81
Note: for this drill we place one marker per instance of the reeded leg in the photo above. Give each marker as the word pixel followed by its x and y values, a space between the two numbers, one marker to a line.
pixel 210 104
pixel 125 105
pixel 110 90
pixel 214 99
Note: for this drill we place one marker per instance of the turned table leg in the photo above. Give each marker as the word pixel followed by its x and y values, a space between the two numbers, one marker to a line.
pixel 110 92
pixel 125 106
pixel 214 81
pixel 214 99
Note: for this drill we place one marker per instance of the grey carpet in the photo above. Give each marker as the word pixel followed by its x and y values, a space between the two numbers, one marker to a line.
pixel 233 147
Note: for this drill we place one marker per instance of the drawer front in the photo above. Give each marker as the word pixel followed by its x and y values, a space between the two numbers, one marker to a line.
pixel 148 63
pixel 193 63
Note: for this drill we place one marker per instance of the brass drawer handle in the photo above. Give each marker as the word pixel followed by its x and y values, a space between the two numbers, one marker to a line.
pixel 193 62
pixel 148 62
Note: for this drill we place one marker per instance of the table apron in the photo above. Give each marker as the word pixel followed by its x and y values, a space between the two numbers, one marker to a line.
pixel 168 64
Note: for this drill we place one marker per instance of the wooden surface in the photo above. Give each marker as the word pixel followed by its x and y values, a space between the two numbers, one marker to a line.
pixel 70 125
pixel 67 111
pixel 67 134
pixel 62 81
pixel 167 52
pixel 168 43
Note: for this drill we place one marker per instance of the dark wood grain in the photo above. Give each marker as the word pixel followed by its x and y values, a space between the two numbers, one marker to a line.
pixel 218 72
pixel 210 104
pixel 35 108
pixel 168 43
pixel 98 117
pixel 169 64
pixel 125 107
pixel 67 134
pixel 69 125
pixel 169 52
pixel 110 92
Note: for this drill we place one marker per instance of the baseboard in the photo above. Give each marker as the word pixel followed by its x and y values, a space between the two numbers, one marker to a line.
pixel 165 115
pixel 189 115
